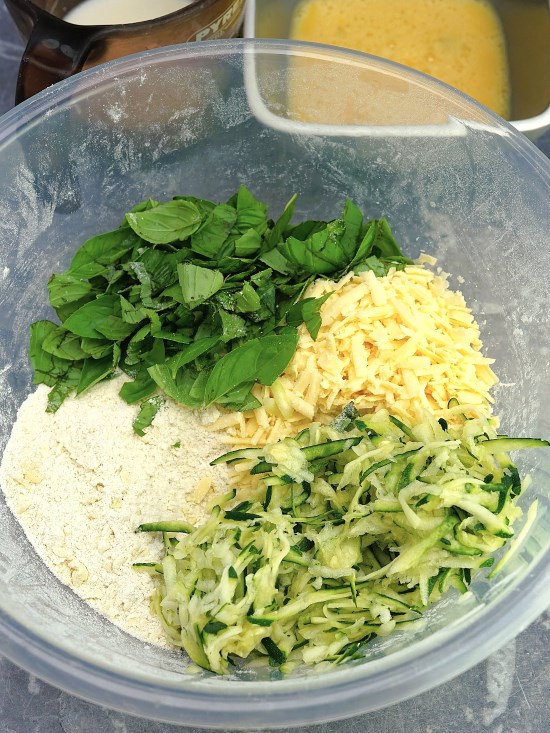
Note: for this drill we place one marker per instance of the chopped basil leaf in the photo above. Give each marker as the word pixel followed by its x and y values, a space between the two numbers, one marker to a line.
pixel 209 239
pixel 147 411
pixel 101 251
pixel 63 344
pixel 170 222
pixel 307 311
pixel 258 360
pixel 198 283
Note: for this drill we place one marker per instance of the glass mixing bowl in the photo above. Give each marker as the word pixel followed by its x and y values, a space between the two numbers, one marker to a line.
pixel 453 180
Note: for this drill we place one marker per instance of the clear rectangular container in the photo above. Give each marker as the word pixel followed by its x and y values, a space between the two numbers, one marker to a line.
pixel 526 26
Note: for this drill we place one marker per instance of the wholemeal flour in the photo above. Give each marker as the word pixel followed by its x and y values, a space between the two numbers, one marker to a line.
pixel 80 481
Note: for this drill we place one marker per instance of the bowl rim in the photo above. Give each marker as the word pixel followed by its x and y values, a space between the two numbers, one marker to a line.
pixel 330 696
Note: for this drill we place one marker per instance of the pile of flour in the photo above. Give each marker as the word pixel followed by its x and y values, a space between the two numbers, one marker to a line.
pixel 80 481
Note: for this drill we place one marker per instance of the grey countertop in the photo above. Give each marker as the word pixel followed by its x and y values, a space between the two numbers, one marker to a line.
pixel 508 693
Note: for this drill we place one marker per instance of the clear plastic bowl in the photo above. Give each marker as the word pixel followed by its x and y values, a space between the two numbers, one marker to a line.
pixel 453 180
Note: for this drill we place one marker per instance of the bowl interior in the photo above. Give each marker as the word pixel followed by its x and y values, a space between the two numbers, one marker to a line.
pixel 185 120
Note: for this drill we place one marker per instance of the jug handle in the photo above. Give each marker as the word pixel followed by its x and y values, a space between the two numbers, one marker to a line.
pixel 55 51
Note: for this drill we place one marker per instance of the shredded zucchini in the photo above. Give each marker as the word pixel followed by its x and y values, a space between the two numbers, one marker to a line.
pixel 346 535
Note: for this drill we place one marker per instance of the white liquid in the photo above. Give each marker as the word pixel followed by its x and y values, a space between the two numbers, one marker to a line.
pixel 111 12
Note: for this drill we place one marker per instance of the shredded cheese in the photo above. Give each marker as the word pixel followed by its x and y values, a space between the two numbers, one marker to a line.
pixel 404 342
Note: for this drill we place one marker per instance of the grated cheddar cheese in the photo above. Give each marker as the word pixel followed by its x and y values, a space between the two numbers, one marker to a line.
pixel 404 342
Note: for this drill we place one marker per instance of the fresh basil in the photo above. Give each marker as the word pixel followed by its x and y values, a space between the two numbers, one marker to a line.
pixel 319 254
pixel 248 300
pixel 141 387
pixel 233 326
pixel 96 348
pixel 170 222
pixel 251 213
pixel 101 251
pixel 99 318
pixel 248 244
pixel 147 411
pixel 63 389
pixel 191 352
pixel 352 219
pixel 63 344
pixel 210 238
pixel 258 360
pixel 177 386
pixel 196 299
pixel 48 368
pixel 94 371
pixel 384 242
pixel 307 311
pixel 240 399
pixel 277 233
pixel 67 288
pixel 198 283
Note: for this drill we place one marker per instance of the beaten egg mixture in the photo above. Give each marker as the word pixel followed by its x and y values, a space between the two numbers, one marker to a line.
pixel 460 42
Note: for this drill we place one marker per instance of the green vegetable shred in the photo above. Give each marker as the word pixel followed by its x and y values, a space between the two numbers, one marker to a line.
pixel 346 536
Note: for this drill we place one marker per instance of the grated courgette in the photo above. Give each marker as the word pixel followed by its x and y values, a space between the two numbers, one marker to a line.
pixel 343 538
